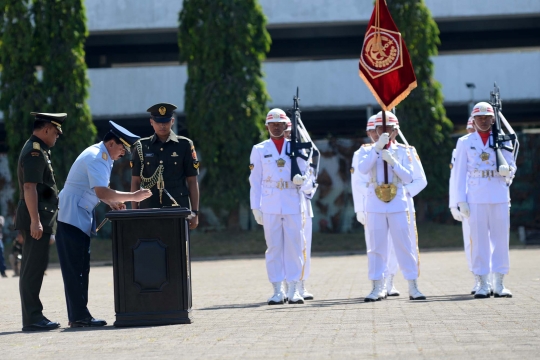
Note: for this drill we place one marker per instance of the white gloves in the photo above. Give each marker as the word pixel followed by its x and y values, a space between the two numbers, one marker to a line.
pixel 387 156
pixel 456 214
pixel 504 170
pixel 257 214
pixel 299 179
pixel 361 217
pixel 384 139
pixel 464 209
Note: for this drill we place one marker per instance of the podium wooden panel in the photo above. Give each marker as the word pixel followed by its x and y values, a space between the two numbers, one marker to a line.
pixel 152 268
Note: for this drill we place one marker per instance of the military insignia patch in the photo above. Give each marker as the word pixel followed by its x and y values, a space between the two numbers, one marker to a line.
pixel 35 145
pixel 352 170
pixel 484 156
pixel 196 164
pixel 174 154
pixel 251 166
pixel 35 153
pixel 280 162
pixel 104 156
pixel 162 110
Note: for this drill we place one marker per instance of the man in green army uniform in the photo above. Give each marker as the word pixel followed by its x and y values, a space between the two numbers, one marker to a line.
pixel 167 164
pixel 36 215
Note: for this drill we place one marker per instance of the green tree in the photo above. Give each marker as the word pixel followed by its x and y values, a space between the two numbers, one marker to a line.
pixel 60 35
pixel 422 114
pixel 19 86
pixel 224 43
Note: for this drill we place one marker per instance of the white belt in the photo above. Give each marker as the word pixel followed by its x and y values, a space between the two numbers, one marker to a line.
pixel 484 174
pixel 282 184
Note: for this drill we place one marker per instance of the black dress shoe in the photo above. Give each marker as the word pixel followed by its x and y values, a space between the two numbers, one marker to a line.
pixel 87 323
pixel 3 272
pixel 43 325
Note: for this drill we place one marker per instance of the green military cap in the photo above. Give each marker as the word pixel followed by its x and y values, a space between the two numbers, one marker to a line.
pixel 54 118
pixel 162 112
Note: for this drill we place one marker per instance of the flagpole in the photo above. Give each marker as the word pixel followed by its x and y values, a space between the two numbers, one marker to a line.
pixel 384 162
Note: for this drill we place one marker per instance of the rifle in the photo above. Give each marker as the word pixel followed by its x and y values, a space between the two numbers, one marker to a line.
pixel 498 138
pixel 295 145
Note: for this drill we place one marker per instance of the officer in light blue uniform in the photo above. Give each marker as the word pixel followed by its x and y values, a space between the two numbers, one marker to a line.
pixel 86 185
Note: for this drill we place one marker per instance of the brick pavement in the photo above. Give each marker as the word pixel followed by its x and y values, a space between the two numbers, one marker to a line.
pixel 232 320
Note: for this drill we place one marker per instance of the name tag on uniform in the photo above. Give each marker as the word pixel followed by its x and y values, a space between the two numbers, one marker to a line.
pixel 472 147
pixel 149 155
pixel 269 155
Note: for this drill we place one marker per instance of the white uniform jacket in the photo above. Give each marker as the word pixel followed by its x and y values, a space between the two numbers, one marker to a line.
pixel 452 203
pixel 359 184
pixel 477 180
pixel 371 164
pixel 309 189
pixel 419 181
pixel 272 190
pixel 78 198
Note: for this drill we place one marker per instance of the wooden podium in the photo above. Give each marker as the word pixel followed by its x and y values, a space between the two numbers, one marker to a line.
pixel 152 268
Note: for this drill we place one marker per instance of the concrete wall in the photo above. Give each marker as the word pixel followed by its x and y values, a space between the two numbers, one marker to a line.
pixel 119 15
pixel 323 84
pixel 130 91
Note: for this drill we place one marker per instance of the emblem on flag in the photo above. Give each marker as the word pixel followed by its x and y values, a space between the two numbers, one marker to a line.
pixel 381 52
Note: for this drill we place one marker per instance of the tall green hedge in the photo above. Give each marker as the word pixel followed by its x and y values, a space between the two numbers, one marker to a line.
pixel 224 43
pixel 421 115
pixel 19 87
pixel 48 35
pixel 61 33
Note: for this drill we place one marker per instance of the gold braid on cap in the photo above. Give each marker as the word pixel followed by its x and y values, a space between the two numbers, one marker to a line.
pixel 156 178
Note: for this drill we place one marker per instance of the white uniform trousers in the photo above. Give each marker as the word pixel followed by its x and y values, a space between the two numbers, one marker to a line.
pixel 379 225
pixel 490 234
pixel 392 262
pixel 308 233
pixel 285 244
pixel 467 241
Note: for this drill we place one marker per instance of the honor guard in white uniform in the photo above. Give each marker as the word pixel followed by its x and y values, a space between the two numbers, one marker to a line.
pixel 386 208
pixel 279 205
pixel 412 189
pixel 483 196
pixel 455 211
pixel 86 185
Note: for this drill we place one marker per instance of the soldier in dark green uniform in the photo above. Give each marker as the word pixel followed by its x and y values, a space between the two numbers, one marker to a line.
pixel 167 164
pixel 36 215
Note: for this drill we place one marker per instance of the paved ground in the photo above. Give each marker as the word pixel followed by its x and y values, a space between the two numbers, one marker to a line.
pixel 231 319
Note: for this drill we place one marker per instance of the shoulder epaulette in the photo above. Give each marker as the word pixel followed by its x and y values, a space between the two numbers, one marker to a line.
pixel 184 138
pixel 367 144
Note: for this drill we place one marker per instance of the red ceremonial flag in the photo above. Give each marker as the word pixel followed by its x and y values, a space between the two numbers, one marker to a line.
pixel 385 65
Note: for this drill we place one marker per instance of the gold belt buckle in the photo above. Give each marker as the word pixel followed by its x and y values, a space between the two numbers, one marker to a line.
pixel 386 192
